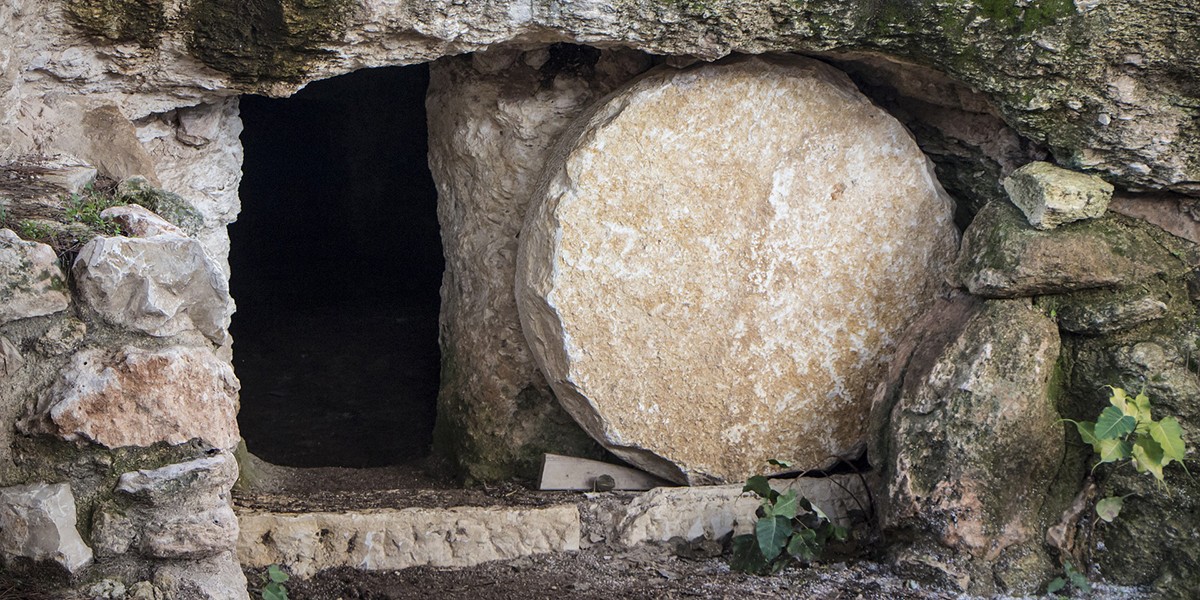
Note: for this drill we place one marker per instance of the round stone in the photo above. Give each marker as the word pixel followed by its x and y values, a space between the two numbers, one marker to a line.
pixel 720 261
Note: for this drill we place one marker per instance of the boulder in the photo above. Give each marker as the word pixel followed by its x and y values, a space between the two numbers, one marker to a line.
pixel 1099 312
pixel 171 206
pixel 135 397
pixel 699 278
pixel 488 144
pixel 161 285
pixel 37 521
pixel 31 282
pixel 178 511
pixel 1002 256
pixel 1050 196
pixel 968 439
pixel 140 221
pixel 216 578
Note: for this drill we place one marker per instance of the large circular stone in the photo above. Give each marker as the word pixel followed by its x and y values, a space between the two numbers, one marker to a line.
pixel 720 261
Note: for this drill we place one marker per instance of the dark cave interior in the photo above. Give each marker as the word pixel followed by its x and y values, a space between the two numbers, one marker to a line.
pixel 336 263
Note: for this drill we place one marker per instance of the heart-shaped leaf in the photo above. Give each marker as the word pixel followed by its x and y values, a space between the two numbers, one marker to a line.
pixel 1087 431
pixel 1114 424
pixel 759 485
pixel 747 558
pixel 772 534
pixel 785 506
pixel 276 574
pixel 1111 450
pixel 1142 402
pixel 1058 584
pixel 1148 457
pixel 805 545
pixel 1109 508
pixel 1169 436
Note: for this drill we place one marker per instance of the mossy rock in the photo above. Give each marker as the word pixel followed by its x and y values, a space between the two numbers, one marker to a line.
pixel 172 207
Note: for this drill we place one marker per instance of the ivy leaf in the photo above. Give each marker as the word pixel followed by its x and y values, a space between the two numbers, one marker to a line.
pixel 1169 436
pixel 1148 457
pixel 759 485
pixel 1058 584
pixel 1081 582
pixel 772 534
pixel 274 591
pixel 276 574
pixel 806 545
pixel 1114 424
pixel 1111 450
pixel 1110 507
pixel 747 558
pixel 785 506
pixel 1087 431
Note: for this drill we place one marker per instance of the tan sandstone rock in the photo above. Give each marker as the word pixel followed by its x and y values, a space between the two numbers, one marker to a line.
pixel 720 260
pixel 135 397
pixel 31 282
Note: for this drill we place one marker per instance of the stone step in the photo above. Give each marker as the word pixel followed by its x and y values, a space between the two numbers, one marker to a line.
pixel 386 539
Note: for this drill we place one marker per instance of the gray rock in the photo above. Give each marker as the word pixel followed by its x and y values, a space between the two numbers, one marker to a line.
pixel 1110 313
pixel 144 590
pixel 162 285
pixel 216 578
pixel 11 360
pixel 31 282
pixel 107 589
pixel 180 511
pixel 140 221
pixel 968 438
pixel 64 336
pixel 1050 196
pixel 1002 256
pixel 135 397
pixel 170 206
pixel 37 521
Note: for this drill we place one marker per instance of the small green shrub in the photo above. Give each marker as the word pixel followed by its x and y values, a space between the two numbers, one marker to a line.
pixel 1127 431
pixel 86 209
pixel 789 527
pixel 1070 576
pixel 273 581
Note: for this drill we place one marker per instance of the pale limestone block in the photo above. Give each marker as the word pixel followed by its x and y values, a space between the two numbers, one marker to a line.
pixel 720 260
pixel 140 221
pixel 37 521
pixel 388 539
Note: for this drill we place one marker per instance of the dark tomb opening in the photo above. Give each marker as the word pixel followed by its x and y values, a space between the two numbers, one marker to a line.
pixel 336 263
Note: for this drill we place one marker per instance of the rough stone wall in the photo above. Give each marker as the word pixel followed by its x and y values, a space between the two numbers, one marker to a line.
pixel 493 117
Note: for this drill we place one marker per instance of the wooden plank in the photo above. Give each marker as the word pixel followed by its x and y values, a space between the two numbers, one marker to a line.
pixel 570 473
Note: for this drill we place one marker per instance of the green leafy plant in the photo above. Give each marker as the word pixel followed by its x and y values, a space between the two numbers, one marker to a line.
pixel 273 581
pixel 32 230
pixel 1070 576
pixel 86 209
pixel 1127 431
pixel 789 527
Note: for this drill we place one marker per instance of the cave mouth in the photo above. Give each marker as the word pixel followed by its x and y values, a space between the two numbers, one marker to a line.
pixel 336 263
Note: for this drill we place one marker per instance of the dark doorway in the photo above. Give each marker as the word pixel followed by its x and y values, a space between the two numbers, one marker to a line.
pixel 336 262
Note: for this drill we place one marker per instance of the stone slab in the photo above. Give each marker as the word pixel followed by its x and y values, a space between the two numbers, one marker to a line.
pixel 384 540
pixel 720 260
pixel 1050 196
pixel 37 521
pixel 31 282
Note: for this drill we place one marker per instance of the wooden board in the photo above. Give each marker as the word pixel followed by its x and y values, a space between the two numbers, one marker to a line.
pixel 570 473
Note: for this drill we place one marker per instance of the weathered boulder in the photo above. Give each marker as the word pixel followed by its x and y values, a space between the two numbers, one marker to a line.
pixel 684 273
pixel 140 221
pixel 1099 312
pixel 135 397
pixel 31 282
pixel 967 436
pixel 178 511
pixel 1002 256
pixel 493 118
pixel 1050 196
pixel 389 539
pixel 161 285
pixel 37 521
pixel 216 578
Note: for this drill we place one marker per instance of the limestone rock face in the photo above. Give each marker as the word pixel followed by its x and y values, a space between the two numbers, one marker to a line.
pixel 1002 256
pixel 31 282
pixel 1050 196
pixel 967 435
pixel 37 521
pixel 134 397
pixel 720 260
pixel 216 578
pixel 161 285
pixel 396 539
pixel 493 118
pixel 178 511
